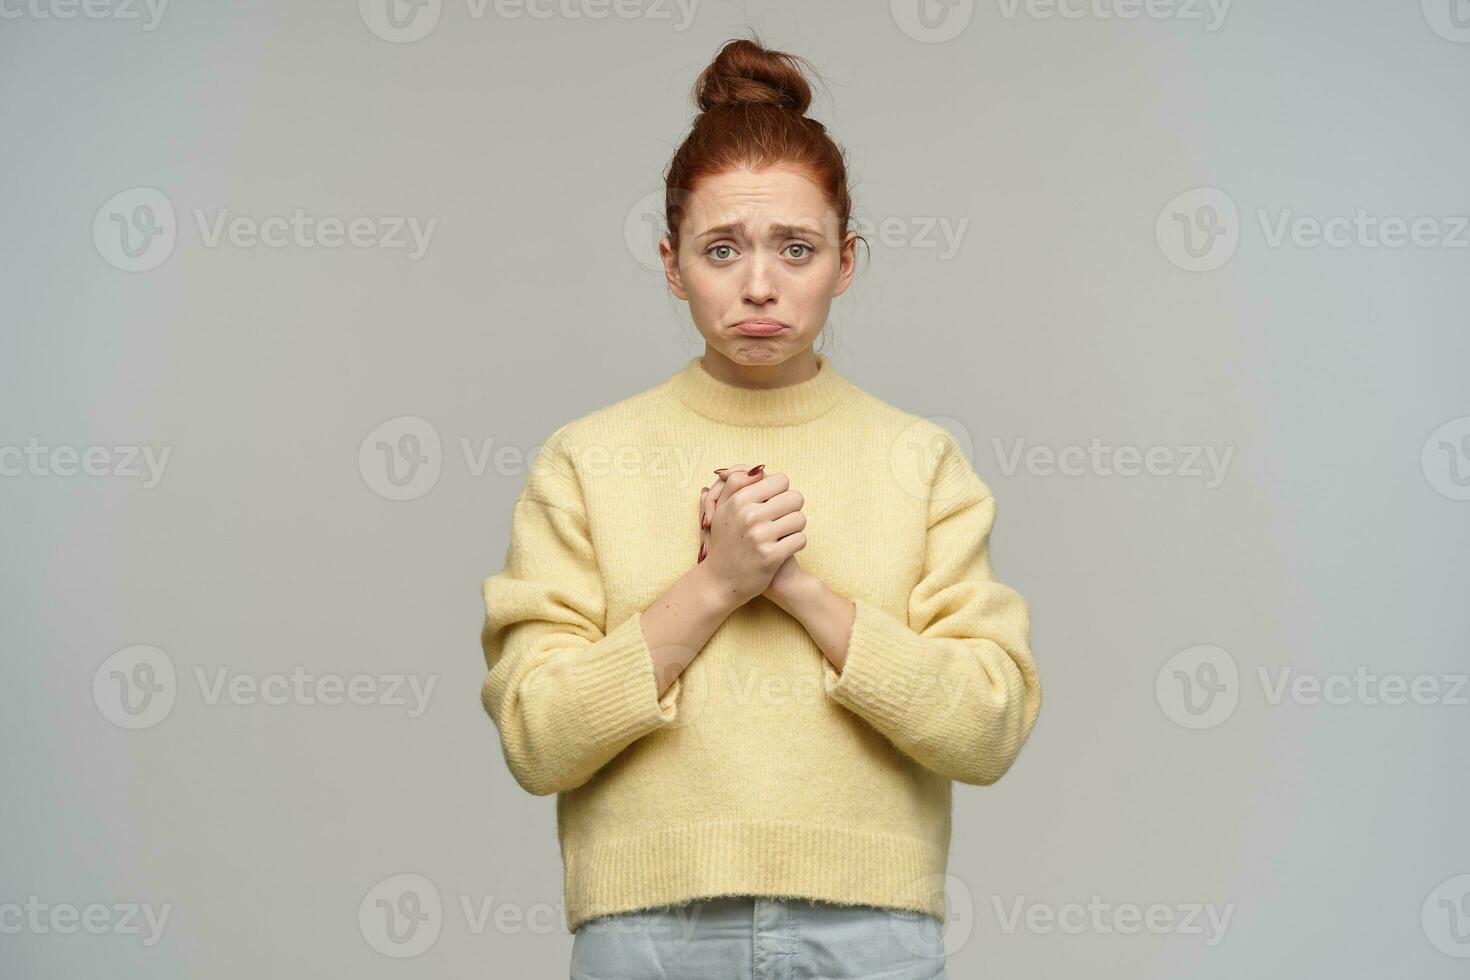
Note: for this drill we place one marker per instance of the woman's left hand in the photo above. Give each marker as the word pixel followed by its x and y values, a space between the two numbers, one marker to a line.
pixel 786 576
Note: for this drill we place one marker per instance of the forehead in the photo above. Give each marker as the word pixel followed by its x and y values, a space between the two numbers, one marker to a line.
pixel 775 194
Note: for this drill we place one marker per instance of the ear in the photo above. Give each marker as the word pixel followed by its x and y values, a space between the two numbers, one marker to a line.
pixel 670 259
pixel 847 264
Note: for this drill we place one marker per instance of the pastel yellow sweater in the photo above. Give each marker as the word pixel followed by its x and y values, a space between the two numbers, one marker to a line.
pixel 761 771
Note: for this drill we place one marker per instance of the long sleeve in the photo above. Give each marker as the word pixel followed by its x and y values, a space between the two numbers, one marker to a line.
pixel 566 693
pixel 954 688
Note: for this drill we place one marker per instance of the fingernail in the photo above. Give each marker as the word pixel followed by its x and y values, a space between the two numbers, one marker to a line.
pixel 702 552
pixel 703 522
pixel 756 470
pixel 722 471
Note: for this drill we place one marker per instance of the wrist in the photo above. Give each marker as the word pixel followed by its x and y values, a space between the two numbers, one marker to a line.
pixel 796 593
pixel 714 595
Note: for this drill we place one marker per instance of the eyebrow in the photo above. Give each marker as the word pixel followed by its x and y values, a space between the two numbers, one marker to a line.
pixel 777 231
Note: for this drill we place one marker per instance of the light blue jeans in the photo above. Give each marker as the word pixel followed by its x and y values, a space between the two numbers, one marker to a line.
pixel 751 938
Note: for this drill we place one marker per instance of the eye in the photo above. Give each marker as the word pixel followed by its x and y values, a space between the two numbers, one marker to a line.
pixel 714 248
pixel 809 249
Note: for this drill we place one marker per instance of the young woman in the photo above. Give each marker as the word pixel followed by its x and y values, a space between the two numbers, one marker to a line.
pixel 752 697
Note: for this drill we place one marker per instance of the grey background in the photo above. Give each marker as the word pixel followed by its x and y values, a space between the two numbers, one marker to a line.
pixel 1331 832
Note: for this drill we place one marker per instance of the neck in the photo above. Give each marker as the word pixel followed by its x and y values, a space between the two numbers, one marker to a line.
pixel 768 395
pixel 800 367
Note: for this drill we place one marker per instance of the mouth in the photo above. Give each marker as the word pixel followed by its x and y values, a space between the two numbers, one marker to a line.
pixel 760 327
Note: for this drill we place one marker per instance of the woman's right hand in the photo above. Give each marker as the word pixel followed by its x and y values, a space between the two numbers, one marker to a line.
pixel 756 527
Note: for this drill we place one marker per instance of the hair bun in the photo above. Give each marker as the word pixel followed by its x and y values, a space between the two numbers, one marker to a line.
pixel 746 74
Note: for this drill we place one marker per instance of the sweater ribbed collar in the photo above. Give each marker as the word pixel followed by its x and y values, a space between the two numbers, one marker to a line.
pixel 735 405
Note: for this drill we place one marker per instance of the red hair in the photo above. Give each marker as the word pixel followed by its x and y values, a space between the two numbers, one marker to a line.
pixel 752 102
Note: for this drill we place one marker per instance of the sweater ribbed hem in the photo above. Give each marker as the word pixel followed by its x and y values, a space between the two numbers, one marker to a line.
pixel 776 859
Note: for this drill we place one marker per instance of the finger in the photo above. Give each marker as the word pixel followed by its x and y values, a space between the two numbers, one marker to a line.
pixel 760 490
pixel 722 488
pixel 791 544
pixel 707 501
pixel 789 524
pixel 783 503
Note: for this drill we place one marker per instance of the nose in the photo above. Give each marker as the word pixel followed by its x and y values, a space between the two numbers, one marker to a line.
pixel 760 286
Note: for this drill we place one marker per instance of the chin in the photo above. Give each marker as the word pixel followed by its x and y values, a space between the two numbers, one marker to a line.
pixel 753 351
pixel 761 350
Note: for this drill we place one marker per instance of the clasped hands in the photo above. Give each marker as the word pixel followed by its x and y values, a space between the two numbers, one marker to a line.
pixel 751 527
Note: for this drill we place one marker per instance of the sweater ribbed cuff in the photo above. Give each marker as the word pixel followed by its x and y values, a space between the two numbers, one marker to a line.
pixel 883 671
pixel 616 689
